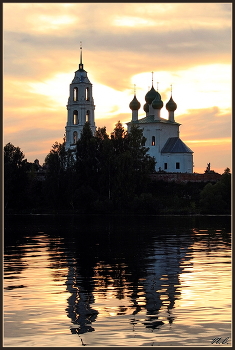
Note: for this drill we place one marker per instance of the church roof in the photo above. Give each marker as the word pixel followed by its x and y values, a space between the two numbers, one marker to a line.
pixel 134 105
pixel 175 145
pixel 150 119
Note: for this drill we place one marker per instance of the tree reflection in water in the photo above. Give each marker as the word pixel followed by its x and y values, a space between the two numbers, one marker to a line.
pixel 135 263
pixel 138 265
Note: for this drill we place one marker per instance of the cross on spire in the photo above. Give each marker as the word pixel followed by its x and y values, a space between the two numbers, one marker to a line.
pixel 152 78
pixel 134 89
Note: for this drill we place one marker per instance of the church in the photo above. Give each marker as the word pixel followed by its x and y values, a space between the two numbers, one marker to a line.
pixel 80 107
pixel 162 135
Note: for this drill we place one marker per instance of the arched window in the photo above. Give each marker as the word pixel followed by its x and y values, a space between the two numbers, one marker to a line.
pixel 153 140
pixel 75 117
pixel 87 94
pixel 75 94
pixel 87 116
pixel 75 137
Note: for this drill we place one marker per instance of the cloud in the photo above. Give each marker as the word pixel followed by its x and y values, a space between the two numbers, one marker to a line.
pixel 123 50
pixel 187 45
pixel 206 123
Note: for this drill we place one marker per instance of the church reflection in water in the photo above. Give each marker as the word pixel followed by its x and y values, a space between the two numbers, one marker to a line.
pixel 109 270
pixel 125 274
pixel 79 304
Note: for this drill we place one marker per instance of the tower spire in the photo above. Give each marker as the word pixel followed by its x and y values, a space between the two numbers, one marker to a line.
pixel 81 64
pixel 152 78
pixel 80 52
pixel 171 90
pixel 134 90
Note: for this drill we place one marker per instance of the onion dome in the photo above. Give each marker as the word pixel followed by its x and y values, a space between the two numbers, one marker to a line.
pixel 171 105
pixel 151 94
pixel 146 107
pixel 134 104
pixel 157 102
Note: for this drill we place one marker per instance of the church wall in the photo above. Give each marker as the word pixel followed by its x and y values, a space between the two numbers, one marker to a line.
pixel 184 160
pixel 161 132
pixel 82 95
pixel 168 130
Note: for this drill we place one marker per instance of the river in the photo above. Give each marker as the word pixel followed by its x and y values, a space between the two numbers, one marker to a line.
pixel 95 281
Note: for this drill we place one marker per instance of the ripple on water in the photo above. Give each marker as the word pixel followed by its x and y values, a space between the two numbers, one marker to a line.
pixel 166 287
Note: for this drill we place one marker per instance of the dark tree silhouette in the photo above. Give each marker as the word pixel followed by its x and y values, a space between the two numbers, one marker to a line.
pixel 15 177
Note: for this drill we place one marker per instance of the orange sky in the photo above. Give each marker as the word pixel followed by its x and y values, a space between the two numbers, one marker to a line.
pixel 186 45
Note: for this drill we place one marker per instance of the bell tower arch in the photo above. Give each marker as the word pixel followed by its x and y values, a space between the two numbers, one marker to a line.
pixel 80 107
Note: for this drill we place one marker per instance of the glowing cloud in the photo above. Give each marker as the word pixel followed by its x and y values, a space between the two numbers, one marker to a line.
pixel 186 45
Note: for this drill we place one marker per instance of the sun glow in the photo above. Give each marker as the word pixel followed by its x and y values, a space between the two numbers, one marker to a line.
pixel 109 102
pixel 57 88
pixel 197 87
pixel 221 141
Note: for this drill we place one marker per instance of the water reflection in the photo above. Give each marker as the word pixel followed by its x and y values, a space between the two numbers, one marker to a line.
pixel 116 267
pixel 145 277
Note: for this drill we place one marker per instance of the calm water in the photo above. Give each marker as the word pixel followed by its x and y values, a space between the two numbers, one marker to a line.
pixel 96 281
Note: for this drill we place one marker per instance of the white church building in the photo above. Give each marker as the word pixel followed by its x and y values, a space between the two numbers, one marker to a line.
pixel 80 107
pixel 162 135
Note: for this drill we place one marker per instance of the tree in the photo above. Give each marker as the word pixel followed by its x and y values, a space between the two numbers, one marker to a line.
pixel 101 133
pixel 118 138
pixel 131 164
pixel 115 168
pixel 55 164
pixel 55 161
pixel 87 167
pixel 15 177
pixel 118 132
pixel 105 154
pixel 216 199
pixel 136 144
pixel 13 155
pixel 86 156
pixel 226 189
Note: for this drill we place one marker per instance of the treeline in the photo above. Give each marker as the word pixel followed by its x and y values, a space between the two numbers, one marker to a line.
pixel 106 174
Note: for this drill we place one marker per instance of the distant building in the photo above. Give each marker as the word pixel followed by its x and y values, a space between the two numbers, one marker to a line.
pixel 170 152
pixel 80 107
pixel 165 145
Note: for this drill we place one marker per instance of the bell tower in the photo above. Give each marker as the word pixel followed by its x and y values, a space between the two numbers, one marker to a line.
pixel 80 106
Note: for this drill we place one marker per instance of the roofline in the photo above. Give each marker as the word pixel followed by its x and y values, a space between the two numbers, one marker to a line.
pixel 154 122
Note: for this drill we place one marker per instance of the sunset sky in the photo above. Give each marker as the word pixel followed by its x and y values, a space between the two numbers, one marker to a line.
pixel 186 45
